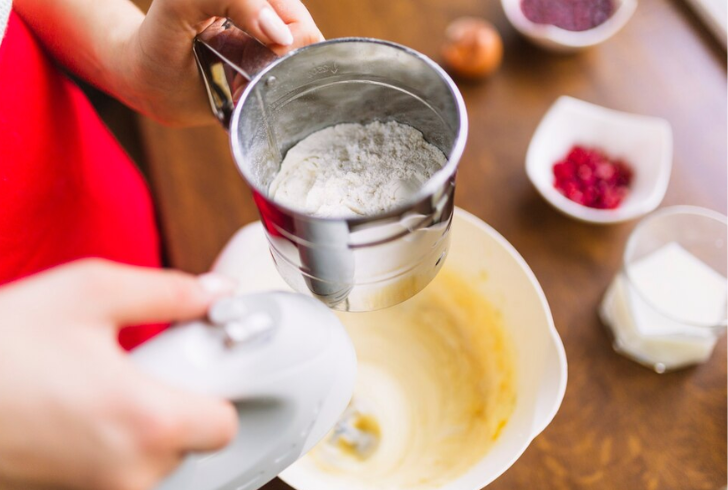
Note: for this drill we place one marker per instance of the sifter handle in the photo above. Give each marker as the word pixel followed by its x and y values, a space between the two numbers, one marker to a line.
pixel 228 59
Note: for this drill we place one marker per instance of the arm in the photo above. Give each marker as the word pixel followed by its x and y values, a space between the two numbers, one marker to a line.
pixel 146 61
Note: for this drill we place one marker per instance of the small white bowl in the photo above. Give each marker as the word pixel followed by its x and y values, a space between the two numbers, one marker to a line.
pixel 496 269
pixel 561 40
pixel 645 143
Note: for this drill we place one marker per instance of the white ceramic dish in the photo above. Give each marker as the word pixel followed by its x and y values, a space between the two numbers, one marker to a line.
pixel 500 273
pixel 560 40
pixel 645 142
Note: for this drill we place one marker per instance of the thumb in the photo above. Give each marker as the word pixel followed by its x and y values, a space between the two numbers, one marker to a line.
pixel 130 295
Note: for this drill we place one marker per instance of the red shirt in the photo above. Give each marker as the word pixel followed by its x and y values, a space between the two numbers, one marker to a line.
pixel 67 189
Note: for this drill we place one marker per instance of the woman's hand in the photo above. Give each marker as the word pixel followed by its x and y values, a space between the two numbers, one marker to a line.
pixel 75 412
pixel 147 62
pixel 165 78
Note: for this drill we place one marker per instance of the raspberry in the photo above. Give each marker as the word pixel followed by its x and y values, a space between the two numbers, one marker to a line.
pixel 563 170
pixel 586 174
pixel 604 171
pixel 589 177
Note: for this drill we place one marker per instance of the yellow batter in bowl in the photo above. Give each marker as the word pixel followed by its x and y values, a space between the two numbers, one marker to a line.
pixel 435 387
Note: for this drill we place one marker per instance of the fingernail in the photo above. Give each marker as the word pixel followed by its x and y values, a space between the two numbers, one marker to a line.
pixel 273 27
pixel 216 284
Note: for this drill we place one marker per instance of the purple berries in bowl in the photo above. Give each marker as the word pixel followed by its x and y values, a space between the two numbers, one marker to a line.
pixel 568 25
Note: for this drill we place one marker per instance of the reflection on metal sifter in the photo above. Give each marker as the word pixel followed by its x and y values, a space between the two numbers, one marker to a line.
pixel 354 264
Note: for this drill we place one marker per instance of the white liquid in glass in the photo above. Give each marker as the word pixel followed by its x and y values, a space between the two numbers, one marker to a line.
pixel 654 314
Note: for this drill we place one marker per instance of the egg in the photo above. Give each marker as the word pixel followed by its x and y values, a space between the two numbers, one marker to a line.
pixel 473 48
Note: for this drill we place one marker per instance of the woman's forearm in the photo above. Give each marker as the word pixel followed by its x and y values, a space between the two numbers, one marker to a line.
pixel 91 42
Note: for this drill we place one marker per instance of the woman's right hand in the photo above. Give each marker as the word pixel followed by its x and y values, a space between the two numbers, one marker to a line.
pixel 75 412
pixel 163 79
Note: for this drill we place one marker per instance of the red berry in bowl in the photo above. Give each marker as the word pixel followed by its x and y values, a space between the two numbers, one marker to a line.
pixel 589 177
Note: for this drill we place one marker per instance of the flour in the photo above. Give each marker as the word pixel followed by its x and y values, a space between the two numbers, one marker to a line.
pixel 353 170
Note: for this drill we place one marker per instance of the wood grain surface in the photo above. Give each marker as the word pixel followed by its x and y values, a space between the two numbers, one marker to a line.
pixel 621 426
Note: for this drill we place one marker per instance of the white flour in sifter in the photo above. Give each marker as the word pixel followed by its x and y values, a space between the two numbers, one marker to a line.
pixel 353 170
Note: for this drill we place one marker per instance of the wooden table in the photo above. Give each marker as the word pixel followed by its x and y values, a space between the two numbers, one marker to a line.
pixel 621 426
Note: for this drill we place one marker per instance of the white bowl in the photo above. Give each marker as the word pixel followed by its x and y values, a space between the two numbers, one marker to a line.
pixel 477 252
pixel 645 143
pixel 561 40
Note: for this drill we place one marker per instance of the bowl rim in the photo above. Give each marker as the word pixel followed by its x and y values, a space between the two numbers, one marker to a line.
pixel 563 37
pixel 593 215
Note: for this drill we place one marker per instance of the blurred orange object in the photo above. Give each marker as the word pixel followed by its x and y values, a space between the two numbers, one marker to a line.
pixel 473 48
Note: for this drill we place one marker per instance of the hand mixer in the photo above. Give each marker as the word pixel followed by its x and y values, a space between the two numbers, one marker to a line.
pixel 284 359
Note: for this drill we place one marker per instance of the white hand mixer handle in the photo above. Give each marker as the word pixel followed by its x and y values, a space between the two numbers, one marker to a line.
pixel 284 360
